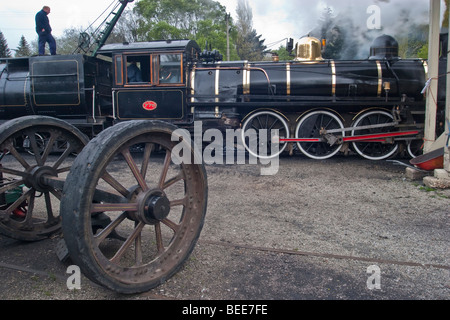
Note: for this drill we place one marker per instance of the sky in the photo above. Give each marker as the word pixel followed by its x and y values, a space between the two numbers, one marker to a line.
pixel 275 20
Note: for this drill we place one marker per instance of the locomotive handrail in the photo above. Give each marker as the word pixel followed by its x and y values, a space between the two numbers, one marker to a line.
pixel 53 75
pixel 295 100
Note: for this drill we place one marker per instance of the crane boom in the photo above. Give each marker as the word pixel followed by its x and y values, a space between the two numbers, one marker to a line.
pixel 84 42
pixel 110 25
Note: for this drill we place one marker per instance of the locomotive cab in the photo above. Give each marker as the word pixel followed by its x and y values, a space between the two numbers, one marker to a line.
pixel 150 78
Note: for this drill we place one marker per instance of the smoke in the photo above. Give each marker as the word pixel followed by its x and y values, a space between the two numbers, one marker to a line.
pixel 280 19
pixel 361 22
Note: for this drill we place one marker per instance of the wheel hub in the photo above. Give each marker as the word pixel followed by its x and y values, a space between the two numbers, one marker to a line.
pixel 154 206
pixel 35 179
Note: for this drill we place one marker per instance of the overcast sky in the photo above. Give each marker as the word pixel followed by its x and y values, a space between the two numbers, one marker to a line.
pixel 275 20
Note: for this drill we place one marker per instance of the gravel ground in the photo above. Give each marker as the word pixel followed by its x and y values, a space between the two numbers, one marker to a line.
pixel 309 232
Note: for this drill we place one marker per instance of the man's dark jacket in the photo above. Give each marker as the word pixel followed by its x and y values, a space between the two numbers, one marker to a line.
pixel 42 22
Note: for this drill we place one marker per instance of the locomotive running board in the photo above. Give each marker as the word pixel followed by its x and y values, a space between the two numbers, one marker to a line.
pixel 377 137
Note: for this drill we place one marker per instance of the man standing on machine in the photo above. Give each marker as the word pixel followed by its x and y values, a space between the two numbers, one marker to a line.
pixel 44 31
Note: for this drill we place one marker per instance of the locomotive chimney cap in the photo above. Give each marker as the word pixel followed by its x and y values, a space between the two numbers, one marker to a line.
pixel 384 47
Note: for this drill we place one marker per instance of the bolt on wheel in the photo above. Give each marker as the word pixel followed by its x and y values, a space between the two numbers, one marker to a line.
pixel 154 206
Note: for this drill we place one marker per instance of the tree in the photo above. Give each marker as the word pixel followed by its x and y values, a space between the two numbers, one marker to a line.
pixel 4 50
pixel 249 45
pixel 68 42
pixel 175 19
pixel 24 49
pixel 126 28
pixel 445 22
pixel 200 20
pixel 283 54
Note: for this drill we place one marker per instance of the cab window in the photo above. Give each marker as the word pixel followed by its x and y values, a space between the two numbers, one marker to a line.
pixel 138 69
pixel 170 66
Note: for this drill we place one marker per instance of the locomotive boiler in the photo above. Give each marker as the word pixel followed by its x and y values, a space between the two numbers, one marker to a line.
pixel 314 103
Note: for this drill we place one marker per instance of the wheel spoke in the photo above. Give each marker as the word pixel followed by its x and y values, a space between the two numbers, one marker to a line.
pixel 48 203
pixel 13 172
pixel 159 239
pixel 179 202
pixel 31 196
pixel 310 126
pixel 34 147
pixel 18 157
pixel 11 185
pixel 102 207
pixel 126 245
pixel 172 225
pixel 16 204
pixel 165 169
pixel 138 256
pixel 134 169
pixel 173 180
pixel 109 229
pixel 49 146
pixel 64 156
pixel 145 161
pixel 115 184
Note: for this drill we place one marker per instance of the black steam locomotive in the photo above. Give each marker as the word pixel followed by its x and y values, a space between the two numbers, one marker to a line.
pixel 319 107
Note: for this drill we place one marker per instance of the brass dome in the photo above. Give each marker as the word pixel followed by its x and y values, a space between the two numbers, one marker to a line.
pixel 308 49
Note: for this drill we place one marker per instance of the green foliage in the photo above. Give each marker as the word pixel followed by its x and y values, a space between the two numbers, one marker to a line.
pixel 283 54
pixel 176 19
pixel 445 22
pixel 4 50
pixel 24 49
pixel 68 42
pixel 414 44
pixel 249 45
pixel 200 20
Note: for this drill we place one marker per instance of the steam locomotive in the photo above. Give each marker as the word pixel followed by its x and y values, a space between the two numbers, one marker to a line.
pixel 318 106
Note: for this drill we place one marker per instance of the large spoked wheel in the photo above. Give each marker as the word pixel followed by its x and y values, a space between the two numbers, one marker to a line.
pixel 32 148
pixel 151 202
pixel 261 133
pixel 374 150
pixel 310 127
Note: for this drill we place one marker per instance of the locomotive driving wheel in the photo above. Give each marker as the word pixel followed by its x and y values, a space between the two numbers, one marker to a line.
pixel 155 204
pixel 311 126
pixel 375 149
pixel 29 207
pixel 261 133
